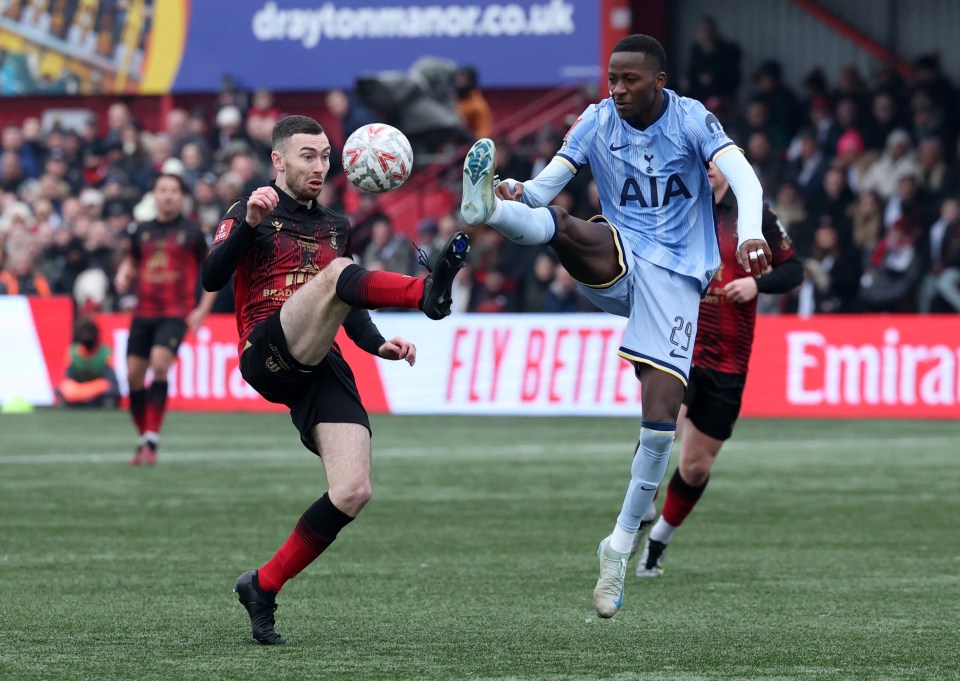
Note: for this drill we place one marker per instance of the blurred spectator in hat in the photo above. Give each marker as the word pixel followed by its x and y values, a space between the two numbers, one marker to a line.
pixel 852 158
pixel 118 215
pixel 713 65
pixel 897 160
pixel 229 128
pixel 472 105
pixel 91 201
pixel 16 217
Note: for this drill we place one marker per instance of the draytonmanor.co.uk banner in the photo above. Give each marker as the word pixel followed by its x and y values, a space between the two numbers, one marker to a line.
pixel 860 366
pixel 160 46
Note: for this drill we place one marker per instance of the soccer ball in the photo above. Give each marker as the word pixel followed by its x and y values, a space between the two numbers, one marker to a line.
pixel 377 158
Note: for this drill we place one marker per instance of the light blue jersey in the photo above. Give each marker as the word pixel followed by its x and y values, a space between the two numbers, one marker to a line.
pixel 653 183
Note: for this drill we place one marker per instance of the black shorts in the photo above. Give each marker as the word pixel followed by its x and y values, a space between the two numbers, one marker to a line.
pixel 145 332
pixel 326 393
pixel 713 401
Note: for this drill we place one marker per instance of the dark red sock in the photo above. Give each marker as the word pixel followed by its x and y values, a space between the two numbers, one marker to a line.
pixel 138 409
pixel 370 290
pixel 681 498
pixel 315 531
pixel 156 405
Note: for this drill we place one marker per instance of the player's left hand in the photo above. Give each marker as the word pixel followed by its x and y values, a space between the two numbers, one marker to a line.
pixel 741 290
pixel 399 348
pixel 754 256
pixel 195 319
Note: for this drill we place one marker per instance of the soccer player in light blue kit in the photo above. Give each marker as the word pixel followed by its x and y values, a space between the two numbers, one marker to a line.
pixel 648 258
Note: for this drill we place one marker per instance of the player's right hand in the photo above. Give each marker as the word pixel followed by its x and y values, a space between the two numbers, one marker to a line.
pixel 509 190
pixel 260 204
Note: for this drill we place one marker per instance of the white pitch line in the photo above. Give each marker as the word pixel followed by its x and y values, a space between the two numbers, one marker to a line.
pixel 496 451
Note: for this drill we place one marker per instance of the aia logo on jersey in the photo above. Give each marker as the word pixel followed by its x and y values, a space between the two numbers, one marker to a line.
pixel 223 231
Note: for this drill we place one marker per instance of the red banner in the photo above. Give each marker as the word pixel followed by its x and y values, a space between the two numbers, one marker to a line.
pixel 864 366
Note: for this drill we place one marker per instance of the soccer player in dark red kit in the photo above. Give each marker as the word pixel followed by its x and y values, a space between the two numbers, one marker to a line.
pixel 721 353
pixel 164 259
pixel 295 286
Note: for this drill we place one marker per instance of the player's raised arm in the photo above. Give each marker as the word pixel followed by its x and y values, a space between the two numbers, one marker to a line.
pixel 753 253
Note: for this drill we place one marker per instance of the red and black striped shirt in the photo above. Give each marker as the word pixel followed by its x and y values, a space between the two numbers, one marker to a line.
pixel 725 329
pixel 168 256
pixel 289 247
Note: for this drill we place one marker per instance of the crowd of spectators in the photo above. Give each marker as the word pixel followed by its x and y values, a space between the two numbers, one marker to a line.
pixel 864 174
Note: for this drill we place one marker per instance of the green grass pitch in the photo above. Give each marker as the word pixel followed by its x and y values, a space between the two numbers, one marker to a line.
pixel 822 550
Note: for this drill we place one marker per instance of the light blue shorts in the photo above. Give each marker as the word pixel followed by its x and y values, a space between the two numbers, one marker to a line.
pixel 661 308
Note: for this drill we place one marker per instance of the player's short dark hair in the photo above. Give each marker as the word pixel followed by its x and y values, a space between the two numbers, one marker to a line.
pixel 646 44
pixel 289 126
pixel 184 189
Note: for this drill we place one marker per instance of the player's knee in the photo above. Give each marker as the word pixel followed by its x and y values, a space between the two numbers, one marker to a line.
pixel 695 472
pixel 354 495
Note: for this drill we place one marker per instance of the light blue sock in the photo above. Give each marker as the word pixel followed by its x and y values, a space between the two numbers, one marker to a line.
pixel 649 466
pixel 522 224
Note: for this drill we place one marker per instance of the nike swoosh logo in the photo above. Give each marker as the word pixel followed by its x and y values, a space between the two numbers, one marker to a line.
pixel 673 353
pixel 624 146
pixel 648 489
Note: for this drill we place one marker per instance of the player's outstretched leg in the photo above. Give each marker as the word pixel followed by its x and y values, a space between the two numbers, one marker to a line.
pixel 438 286
pixel 260 605
pixel 478 200
pixel 479 204
pixel 608 594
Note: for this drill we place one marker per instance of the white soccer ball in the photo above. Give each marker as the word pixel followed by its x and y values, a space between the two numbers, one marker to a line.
pixel 377 158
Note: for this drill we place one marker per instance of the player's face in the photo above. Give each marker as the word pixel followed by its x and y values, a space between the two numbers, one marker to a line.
pixel 304 165
pixel 169 198
pixel 635 84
